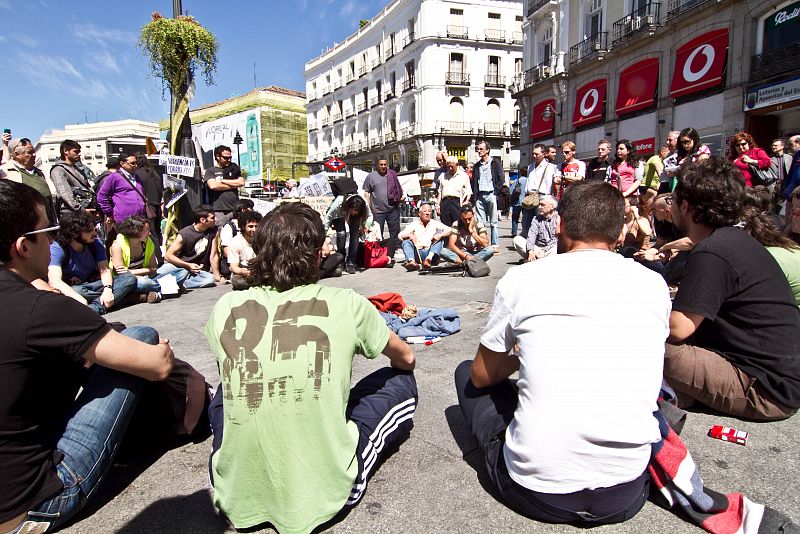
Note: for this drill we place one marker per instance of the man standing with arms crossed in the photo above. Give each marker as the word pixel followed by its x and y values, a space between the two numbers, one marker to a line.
pixel 487 180
pixel 223 182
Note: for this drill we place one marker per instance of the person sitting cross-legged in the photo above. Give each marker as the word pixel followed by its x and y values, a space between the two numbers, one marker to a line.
pixel 133 251
pixel 79 266
pixel 194 251
pixel 541 240
pixel 468 239
pixel 240 250
pixel 293 444
pixel 570 441
pixel 423 240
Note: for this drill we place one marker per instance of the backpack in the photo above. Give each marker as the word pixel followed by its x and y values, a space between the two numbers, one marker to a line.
pixel 476 268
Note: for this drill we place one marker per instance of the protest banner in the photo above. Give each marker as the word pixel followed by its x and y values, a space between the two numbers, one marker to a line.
pixel 315 186
pixel 180 165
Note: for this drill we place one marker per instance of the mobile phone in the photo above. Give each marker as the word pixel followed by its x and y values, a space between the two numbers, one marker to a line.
pixel 7 131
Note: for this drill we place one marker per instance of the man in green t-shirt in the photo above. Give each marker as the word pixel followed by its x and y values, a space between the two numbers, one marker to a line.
pixel 299 445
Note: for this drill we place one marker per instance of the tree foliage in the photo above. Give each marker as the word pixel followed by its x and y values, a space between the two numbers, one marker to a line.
pixel 177 48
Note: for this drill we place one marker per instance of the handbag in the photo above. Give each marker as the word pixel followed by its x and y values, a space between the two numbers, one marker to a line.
pixel 148 209
pixel 476 268
pixel 531 200
pixel 760 176
pixel 375 254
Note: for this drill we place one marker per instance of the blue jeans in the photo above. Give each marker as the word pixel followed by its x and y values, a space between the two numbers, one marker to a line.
pixel 483 254
pixel 420 254
pixel 191 281
pixel 392 220
pixel 342 242
pixel 95 428
pixel 145 284
pixel 516 211
pixel 486 210
pixel 91 291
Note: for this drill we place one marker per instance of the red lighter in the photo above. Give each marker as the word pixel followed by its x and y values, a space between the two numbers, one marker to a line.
pixel 725 433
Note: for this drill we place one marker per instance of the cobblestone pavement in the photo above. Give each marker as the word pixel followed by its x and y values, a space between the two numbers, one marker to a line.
pixel 436 482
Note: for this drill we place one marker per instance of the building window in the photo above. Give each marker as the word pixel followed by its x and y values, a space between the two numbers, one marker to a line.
pixel 457 112
pixel 457 63
pixel 518 66
pixel 494 66
pixel 546 46
pixel 493 113
pixel 594 18
pixel 494 21
pixel 518 24
pixel 456 17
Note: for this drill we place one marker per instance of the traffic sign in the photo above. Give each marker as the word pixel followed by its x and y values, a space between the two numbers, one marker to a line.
pixel 335 164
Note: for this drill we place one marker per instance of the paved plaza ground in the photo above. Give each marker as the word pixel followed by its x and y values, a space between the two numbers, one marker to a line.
pixel 436 482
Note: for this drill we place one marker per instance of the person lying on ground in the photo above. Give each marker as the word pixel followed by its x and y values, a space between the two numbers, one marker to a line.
pixel 733 342
pixel 294 378
pixel 570 441
pixel 468 239
pixel 422 240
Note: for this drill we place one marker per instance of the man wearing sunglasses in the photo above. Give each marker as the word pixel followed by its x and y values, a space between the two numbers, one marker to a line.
pixel 122 193
pixel 56 447
pixel 223 181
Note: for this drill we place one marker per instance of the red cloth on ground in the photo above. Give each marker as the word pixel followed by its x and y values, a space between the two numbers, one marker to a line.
pixel 388 302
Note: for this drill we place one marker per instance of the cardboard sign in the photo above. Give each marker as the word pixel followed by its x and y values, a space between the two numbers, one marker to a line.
pixel 263 206
pixel 315 186
pixel 410 184
pixel 173 182
pixel 320 204
pixel 180 165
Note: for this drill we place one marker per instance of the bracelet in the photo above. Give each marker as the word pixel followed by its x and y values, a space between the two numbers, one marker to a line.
pixel 107 286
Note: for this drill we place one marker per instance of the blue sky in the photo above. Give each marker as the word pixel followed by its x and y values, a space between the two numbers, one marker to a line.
pixel 63 62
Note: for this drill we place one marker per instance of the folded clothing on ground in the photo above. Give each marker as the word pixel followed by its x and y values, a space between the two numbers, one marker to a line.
pixel 428 322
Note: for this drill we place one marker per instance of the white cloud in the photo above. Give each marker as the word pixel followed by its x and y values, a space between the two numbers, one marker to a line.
pixel 102 61
pixel 24 40
pixel 96 35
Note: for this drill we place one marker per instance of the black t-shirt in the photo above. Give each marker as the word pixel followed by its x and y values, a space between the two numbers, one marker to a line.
pixel 666 230
pixel 751 316
pixel 223 200
pixel 40 373
pixel 596 170
pixel 197 246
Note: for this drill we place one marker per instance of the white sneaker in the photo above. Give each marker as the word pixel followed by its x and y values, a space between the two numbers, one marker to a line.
pixel 496 249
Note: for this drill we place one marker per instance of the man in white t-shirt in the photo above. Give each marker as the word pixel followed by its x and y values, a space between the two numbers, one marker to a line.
pixel 240 249
pixel 570 441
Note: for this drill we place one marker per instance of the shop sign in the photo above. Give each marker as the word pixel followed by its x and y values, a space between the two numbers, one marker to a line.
pixel 700 63
pixel 590 103
pixel 772 94
pixel 458 151
pixel 637 86
pixel 542 123
pixel 645 147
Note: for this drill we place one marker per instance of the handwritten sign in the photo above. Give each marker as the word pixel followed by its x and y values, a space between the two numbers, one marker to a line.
pixel 263 206
pixel 180 165
pixel 315 186
pixel 173 182
pixel 320 204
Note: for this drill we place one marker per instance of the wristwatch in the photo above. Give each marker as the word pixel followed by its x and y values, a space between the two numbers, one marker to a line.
pixel 107 286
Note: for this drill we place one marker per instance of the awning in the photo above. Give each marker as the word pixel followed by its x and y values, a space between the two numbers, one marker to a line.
pixel 590 103
pixel 540 126
pixel 700 63
pixel 638 85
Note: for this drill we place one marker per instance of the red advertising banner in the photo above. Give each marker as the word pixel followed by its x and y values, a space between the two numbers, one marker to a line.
pixel 700 63
pixel 637 86
pixel 645 147
pixel 590 103
pixel 540 126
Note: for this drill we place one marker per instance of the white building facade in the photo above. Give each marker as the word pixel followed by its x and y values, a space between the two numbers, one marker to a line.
pixel 98 141
pixel 421 76
pixel 636 69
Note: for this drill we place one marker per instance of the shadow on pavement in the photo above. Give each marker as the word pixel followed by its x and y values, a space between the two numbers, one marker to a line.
pixel 188 513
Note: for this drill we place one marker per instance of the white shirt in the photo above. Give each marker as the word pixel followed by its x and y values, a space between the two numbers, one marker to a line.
pixel 591 362
pixel 424 234
pixel 540 178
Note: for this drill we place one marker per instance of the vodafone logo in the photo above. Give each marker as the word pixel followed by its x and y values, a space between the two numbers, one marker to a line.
pixel 693 75
pixel 590 95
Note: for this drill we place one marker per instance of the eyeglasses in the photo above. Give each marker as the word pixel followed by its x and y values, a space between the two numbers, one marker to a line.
pixel 131 163
pixel 226 157
pixel 566 151
pixel 51 232
pixel 686 141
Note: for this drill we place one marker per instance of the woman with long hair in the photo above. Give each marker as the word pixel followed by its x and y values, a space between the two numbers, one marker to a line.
pixel 690 149
pixel 348 212
pixel 626 171
pixel 745 154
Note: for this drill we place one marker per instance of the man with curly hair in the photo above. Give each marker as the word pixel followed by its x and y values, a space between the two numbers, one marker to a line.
pixel 299 444
pixel 733 342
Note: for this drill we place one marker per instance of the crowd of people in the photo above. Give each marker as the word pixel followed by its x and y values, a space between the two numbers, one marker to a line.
pixel 569 441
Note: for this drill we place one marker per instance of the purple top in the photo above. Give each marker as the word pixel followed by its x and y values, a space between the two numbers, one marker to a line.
pixel 117 197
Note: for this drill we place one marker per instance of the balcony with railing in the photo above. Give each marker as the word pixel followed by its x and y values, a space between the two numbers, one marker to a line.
pixel 326 122
pixel 325 90
pixel 453 127
pixel 389 137
pixel 360 146
pixel 336 85
pixel 374 101
pixel 643 21
pixel 362 71
pixel 312 126
pixel 375 142
pixel 493 128
pixel 408 40
pixel 361 107
pixel 350 78
pixel 457 78
pixel 536 5
pixel 493 80
pixel 458 32
pixel 515 130
pixel 775 62
pixel 388 95
pixel 537 74
pixel 516 38
pixel 336 117
pixel 389 54
pixel 595 46
pixel 349 149
pixel 408 84
pixel 349 113
pixel 677 8
pixel 494 36
pixel 376 63
pixel 408 131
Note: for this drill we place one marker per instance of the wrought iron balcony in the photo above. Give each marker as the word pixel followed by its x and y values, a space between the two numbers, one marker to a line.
pixel 350 78
pixel 493 128
pixel 326 122
pixel 495 36
pixel 536 5
pixel 408 84
pixel 516 37
pixel 361 107
pixel 388 95
pixel 453 127
pixel 336 117
pixel 408 131
pixel 360 146
pixel 493 80
pixel 457 78
pixel 349 113
pixel 374 101
pixel 376 63
pixel 594 46
pixel 336 85
pixel 775 62
pixel 676 8
pixel 408 40
pixel 538 73
pixel 312 126
pixel 349 149
pixel 362 71
pixel 458 32
pixel 325 90
pixel 389 53
pixel 375 142
pixel 389 137
pixel 515 131
pixel 643 21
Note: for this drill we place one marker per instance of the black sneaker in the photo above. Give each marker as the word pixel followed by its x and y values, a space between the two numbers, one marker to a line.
pixel 337 272
pixel 390 264
pixel 351 269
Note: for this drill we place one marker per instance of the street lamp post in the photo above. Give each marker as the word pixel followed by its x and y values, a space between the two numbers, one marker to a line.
pixel 237 140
